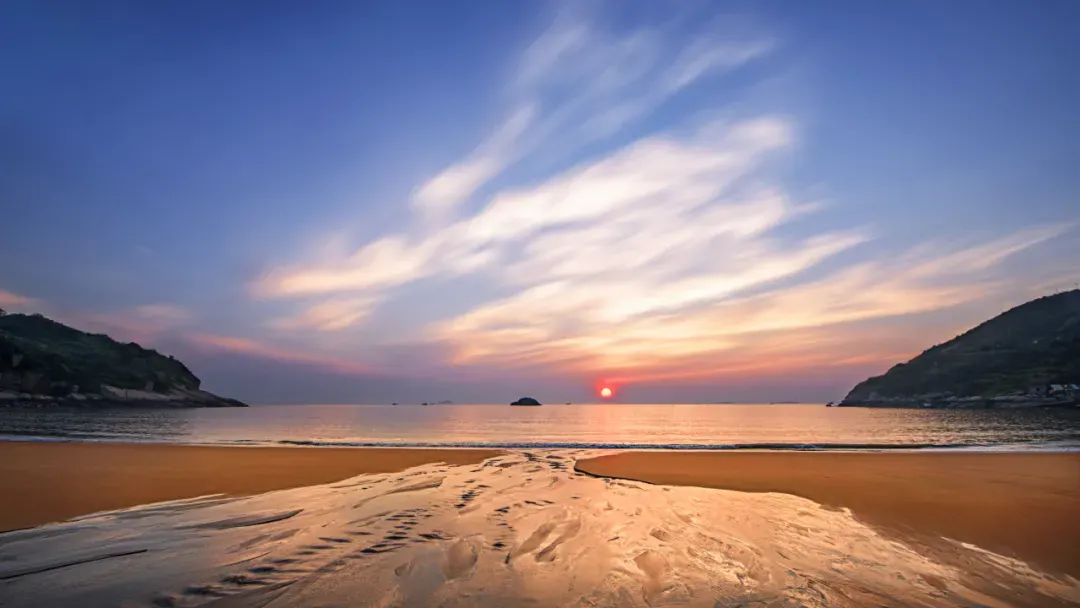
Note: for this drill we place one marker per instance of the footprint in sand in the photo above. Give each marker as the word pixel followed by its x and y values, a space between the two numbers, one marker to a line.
pixel 660 534
pixel 241 580
pixel 655 568
pixel 460 559
pixel 547 554
pixel 533 542
pixel 205 591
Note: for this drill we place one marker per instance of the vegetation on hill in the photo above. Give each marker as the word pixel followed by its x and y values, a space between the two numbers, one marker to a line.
pixel 1021 351
pixel 39 356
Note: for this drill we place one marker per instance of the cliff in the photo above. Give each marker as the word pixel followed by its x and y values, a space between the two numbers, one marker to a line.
pixel 43 362
pixel 1027 356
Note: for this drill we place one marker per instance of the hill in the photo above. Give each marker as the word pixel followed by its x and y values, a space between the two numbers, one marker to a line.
pixel 45 362
pixel 1016 359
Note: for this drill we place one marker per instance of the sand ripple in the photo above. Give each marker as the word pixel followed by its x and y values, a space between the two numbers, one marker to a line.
pixel 521 529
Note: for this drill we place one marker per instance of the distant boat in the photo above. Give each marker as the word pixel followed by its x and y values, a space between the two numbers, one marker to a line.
pixel 394 403
pixel 567 403
pixel 830 404
pixel 927 405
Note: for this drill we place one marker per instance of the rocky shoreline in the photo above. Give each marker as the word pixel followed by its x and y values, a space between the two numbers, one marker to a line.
pixel 46 364
pixel 964 403
pixel 114 398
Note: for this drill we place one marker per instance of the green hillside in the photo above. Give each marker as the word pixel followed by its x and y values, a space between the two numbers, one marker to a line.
pixel 1023 350
pixel 41 357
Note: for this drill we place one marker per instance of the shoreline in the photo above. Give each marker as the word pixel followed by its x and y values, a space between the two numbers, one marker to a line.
pixel 1056 447
pixel 50 481
pixel 521 528
pixel 1022 505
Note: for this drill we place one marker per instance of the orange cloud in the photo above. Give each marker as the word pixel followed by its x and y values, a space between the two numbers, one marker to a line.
pixel 262 350
pixel 807 325
pixel 8 298
pixel 331 315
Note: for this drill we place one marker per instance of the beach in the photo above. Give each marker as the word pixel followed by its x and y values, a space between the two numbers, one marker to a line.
pixel 516 527
pixel 43 482
pixel 1019 504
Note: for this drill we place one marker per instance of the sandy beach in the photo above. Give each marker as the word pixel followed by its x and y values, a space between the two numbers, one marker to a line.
pixel 1024 505
pixel 401 528
pixel 47 482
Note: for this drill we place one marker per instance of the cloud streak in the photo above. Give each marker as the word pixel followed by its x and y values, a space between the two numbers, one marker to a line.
pixel 8 298
pixel 262 350
pixel 164 315
pixel 675 254
pixel 579 82
pixel 331 315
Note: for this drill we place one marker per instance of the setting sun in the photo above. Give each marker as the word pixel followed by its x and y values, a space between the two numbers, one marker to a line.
pixel 605 392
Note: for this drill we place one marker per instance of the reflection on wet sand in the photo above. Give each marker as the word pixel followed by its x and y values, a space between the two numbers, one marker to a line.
pixel 1021 504
pixel 45 482
pixel 520 529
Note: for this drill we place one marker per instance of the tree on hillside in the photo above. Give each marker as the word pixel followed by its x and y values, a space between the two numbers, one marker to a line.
pixel 2 312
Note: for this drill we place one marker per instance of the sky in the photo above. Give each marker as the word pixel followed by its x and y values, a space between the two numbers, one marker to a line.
pixel 688 201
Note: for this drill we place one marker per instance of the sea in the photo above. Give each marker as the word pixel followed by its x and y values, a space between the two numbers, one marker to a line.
pixel 798 427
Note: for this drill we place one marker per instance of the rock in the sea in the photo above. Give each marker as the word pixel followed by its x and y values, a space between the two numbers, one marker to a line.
pixel 526 401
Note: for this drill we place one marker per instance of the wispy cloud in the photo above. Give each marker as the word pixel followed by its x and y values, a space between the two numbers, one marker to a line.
pixel 670 195
pixel 163 315
pixel 459 181
pixel 575 83
pixel 331 315
pixel 256 348
pixel 579 82
pixel 667 256
pixel 807 323
pixel 8 298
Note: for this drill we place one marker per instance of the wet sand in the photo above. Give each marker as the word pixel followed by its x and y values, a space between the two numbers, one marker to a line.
pixel 1021 505
pixel 47 482
pixel 519 529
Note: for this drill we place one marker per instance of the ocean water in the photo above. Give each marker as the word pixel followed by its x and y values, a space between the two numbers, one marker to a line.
pixel 744 426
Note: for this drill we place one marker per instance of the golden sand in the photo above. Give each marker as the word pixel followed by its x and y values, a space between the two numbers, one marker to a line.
pixel 47 482
pixel 523 528
pixel 1024 505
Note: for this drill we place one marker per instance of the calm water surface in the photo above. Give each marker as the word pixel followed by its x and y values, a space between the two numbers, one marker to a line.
pixel 598 425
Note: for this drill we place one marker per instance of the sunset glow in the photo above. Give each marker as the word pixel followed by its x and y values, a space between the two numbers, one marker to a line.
pixel 714 206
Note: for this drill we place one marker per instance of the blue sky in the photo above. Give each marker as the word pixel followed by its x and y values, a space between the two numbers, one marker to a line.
pixel 364 202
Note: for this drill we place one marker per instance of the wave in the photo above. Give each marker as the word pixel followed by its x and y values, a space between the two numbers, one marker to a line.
pixel 62 436
pixel 105 437
pixel 783 447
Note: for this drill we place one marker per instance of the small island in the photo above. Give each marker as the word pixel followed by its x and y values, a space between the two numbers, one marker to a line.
pixel 1028 356
pixel 44 363
pixel 526 401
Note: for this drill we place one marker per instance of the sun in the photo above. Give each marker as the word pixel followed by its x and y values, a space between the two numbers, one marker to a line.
pixel 605 393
